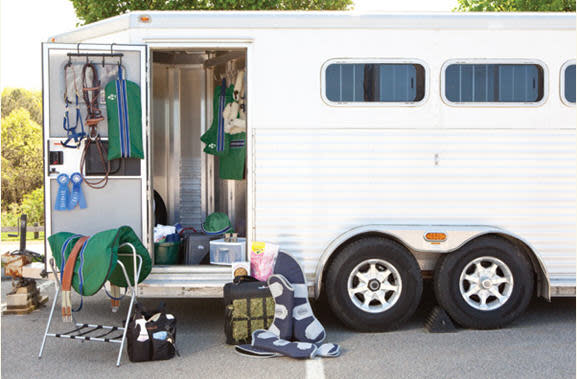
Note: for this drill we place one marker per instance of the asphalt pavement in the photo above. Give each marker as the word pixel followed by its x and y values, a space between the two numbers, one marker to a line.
pixel 540 344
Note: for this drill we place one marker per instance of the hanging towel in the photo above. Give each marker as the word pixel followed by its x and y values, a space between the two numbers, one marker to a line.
pixel 231 166
pixel 215 138
pixel 124 111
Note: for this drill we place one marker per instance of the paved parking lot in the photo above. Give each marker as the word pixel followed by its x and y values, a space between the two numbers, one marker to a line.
pixel 540 344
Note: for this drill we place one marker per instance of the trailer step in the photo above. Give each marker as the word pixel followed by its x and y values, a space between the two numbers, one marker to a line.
pixel 167 269
pixel 200 281
pixel 563 287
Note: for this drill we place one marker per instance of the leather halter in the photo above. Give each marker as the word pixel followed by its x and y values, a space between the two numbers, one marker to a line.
pixel 91 92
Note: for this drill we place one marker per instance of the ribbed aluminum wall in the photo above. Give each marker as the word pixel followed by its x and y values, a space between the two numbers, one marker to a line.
pixel 313 185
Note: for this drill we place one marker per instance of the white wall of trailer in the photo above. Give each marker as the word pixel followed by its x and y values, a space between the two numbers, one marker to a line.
pixel 320 170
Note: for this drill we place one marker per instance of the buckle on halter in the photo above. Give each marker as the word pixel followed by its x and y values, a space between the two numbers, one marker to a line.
pixel 94 121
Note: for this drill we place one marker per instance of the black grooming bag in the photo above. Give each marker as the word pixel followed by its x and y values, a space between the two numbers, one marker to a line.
pixel 156 342
pixel 248 306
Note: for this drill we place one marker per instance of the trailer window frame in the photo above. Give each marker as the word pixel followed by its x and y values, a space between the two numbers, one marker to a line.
pixel 495 104
pixel 562 83
pixel 372 104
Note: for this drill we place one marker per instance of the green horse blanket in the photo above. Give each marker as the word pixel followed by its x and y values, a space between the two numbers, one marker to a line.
pixel 98 260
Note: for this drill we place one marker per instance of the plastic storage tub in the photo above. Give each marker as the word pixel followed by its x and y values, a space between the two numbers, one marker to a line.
pixel 166 253
pixel 196 247
pixel 224 253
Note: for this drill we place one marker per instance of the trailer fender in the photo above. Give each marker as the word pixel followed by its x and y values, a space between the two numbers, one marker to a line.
pixel 414 238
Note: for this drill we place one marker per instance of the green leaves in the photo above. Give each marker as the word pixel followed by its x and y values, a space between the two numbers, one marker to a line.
pixel 32 205
pixel 22 190
pixel 21 156
pixel 14 98
pixel 516 6
pixel 93 10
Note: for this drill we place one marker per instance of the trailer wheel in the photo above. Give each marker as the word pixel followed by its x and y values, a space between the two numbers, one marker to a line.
pixel 374 284
pixel 484 285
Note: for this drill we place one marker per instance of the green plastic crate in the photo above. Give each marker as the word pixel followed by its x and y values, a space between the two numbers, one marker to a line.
pixel 166 253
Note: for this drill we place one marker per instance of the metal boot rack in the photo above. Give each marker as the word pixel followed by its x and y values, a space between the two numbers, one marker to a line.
pixel 82 331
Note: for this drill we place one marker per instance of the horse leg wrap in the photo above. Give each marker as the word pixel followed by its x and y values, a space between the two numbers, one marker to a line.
pixel 326 350
pixel 306 327
pixel 282 292
pixel 265 340
pixel 329 350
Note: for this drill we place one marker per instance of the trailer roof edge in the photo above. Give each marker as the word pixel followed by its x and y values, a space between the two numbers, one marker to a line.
pixel 318 20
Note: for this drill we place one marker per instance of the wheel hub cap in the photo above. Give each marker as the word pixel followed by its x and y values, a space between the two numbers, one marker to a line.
pixel 374 285
pixel 486 283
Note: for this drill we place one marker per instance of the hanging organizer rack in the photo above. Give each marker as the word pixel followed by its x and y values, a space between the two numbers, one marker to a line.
pixel 112 54
pixel 98 55
pixel 83 330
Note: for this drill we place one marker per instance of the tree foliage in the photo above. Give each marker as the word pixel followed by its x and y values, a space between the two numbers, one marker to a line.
pixel 32 205
pixel 21 156
pixel 93 10
pixel 14 98
pixel 516 6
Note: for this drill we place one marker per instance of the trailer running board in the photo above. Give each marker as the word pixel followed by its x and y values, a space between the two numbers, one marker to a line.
pixel 201 281
pixel 563 287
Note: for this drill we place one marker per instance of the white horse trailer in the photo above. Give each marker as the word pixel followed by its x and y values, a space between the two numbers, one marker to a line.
pixel 381 149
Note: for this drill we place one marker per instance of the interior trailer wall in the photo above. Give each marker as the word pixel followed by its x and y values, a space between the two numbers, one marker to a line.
pixel 178 115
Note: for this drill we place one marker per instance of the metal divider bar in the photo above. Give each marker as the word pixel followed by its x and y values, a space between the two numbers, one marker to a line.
pixel 101 326
pixel 86 338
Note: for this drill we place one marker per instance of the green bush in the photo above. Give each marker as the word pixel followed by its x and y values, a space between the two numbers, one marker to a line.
pixel 21 157
pixel 32 205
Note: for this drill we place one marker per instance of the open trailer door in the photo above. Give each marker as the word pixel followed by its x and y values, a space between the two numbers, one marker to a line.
pixel 123 198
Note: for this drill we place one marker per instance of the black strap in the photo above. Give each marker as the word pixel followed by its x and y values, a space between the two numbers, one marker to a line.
pixel 244 279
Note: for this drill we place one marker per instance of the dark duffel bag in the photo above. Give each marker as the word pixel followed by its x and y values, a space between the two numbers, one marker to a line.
pixel 248 306
pixel 151 335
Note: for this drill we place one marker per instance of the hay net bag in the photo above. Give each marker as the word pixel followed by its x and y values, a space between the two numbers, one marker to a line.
pixel 98 263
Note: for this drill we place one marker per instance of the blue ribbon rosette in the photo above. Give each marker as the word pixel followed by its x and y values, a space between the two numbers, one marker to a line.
pixel 77 197
pixel 63 194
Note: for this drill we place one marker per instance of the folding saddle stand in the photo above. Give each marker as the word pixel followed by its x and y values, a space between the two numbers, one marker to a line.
pixel 83 332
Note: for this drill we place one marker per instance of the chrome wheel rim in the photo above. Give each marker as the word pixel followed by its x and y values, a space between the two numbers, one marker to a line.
pixel 374 285
pixel 486 283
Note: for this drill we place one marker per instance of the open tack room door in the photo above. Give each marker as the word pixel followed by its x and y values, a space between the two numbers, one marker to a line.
pixel 124 198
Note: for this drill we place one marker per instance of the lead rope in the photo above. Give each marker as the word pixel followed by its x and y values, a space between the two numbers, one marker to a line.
pixel 93 117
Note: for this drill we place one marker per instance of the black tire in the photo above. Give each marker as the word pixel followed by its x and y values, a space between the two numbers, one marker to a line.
pixel 362 250
pixel 448 292
pixel 160 213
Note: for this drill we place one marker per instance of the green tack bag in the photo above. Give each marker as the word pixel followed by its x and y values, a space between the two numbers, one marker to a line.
pixel 124 112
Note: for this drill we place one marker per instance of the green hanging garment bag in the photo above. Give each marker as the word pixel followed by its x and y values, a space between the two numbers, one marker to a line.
pixel 124 111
